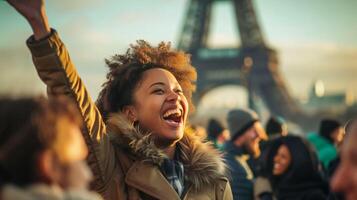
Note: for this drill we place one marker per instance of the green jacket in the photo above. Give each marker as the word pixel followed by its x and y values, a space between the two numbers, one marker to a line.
pixel 326 151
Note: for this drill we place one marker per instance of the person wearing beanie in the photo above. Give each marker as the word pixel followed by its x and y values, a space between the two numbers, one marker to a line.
pixel 246 133
pixel 327 140
pixel 217 134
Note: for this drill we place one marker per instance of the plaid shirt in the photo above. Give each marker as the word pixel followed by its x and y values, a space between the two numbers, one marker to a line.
pixel 174 172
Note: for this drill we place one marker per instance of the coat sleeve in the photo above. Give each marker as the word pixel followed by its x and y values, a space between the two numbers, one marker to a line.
pixel 56 70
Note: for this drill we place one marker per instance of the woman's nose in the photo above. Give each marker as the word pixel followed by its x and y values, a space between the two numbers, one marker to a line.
pixel 276 158
pixel 173 96
pixel 254 134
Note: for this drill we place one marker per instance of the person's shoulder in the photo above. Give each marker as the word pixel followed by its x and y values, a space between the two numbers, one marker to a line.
pixel 312 136
pixel 223 188
pixel 318 141
pixel 233 164
pixel 223 180
pixel 315 195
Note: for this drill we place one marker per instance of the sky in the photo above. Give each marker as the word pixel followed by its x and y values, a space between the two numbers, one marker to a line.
pixel 315 40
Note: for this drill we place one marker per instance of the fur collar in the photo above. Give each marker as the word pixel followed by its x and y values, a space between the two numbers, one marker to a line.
pixel 202 162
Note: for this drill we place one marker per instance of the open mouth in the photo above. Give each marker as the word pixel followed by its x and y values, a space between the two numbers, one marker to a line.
pixel 174 117
pixel 276 166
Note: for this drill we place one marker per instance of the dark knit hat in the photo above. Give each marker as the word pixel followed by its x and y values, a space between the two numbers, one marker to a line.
pixel 275 126
pixel 214 128
pixel 240 120
pixel 327 126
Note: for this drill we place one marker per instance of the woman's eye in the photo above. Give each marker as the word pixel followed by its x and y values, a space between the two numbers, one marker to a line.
pixel 179 91
pixel 158 91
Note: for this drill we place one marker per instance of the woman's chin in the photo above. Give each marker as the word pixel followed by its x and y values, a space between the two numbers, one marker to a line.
pixel 175 137
pixel 169 139
pixel 276 173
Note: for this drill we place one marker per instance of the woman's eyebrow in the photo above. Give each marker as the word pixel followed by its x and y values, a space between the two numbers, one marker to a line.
pixel 157 83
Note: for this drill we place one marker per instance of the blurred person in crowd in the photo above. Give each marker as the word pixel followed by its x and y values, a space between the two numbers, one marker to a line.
pixel 217 133
pixel 42 152
pixel 334 163
pixel 343 169
pixel 139 148
pixel 327 140
pixel 246 133
pixel 291 172
pixel 276 127
pixel 332 130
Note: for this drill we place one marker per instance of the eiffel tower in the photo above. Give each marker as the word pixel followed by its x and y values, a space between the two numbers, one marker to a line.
pixel 253 65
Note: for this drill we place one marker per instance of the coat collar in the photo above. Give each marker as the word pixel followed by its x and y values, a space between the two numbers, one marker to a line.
pixel 154 182
pixel 202 162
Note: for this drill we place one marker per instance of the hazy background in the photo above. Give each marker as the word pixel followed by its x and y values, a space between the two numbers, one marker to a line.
pixel 315 39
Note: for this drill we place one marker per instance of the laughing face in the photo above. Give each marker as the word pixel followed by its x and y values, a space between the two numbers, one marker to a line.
pixel 160 106
pixel 252 138
pixel 282 160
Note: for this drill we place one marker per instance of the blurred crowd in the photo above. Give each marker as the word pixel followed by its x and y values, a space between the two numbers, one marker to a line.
pixel 272 163
pixel 41 149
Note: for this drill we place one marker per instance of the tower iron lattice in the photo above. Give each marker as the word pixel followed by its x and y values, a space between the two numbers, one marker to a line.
pixel 253 64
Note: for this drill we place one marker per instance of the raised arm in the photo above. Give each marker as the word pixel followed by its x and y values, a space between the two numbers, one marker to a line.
pixel 57 71
pixel 35 13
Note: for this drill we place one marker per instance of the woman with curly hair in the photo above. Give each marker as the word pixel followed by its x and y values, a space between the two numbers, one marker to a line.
pixel 138 146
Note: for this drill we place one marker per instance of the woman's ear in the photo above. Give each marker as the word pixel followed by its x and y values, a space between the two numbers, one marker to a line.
pixel 130 113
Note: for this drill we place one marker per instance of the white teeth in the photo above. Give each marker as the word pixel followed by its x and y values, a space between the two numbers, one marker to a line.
pixel 173 111
pixel 276 165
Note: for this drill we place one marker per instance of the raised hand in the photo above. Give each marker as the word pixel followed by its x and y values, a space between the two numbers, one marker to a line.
pixel 34 12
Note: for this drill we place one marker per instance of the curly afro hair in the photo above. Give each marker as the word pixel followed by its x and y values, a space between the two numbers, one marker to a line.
pixel 125 72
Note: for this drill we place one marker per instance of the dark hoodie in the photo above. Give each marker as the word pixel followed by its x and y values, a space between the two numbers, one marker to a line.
pixel 302 181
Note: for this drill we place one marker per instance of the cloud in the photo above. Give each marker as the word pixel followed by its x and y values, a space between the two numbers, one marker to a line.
pixel 89 44
pixel 303 63
pixel 327 55
pixel 70 5
pixel 18 76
